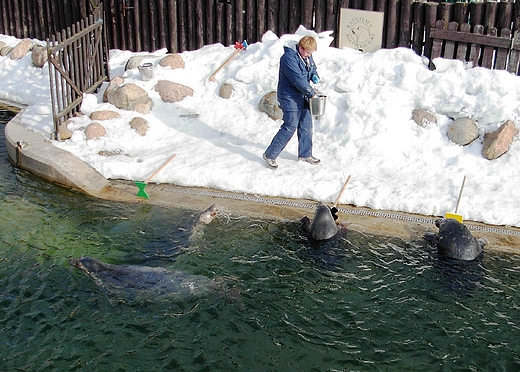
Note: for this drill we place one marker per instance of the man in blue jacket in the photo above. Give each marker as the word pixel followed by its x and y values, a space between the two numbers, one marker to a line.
pixel 297 70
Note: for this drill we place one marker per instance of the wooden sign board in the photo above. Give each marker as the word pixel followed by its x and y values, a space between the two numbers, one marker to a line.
pixel 360 29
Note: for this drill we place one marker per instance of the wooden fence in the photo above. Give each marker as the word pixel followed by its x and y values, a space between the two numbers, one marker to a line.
pixel 179 25
pixel 77 65
pixel 488 50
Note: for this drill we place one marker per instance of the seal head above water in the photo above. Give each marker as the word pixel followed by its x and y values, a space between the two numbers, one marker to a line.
pixel 322 226
pixel 454 240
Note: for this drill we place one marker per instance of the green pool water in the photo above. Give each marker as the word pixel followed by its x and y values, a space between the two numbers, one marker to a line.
pixel 355 303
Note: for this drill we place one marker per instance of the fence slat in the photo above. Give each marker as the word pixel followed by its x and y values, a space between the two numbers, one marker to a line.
pixel 501 53
pixel 474 50
pixel 437 42
pixel 449 45
pixel 514 57
pixel 462 47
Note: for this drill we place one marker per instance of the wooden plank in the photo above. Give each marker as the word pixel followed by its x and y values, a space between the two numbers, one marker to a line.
pixel 272 15
pixel 369 5
pixel 486 40
pixel 330 19
pixel 320 10
pixel 474 50
pixel 181 21
pixel 418 26
pixel 260 19
pixel 162 27
pixel 209 23
pixel 502 53
pixel 136 20
pixel 18 29
pixel 239 20
pixel 437 45
pixel 490 15
pixel 516 16
pixel 449 45
pixel 228 11
pixel 430 17
pixel 476 13
pixel 462 48
pixel 307 12
pixel 505 15
pixel 405 26
pixel 460 12
pixel 283 19
pixel 445 12
pixel 294 15
pixel 514 56
pixel 392 24
pixel 488 51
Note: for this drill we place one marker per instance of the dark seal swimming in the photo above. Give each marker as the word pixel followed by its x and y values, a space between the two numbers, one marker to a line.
pixel 323 225
pixel 454 240
pixel 138 283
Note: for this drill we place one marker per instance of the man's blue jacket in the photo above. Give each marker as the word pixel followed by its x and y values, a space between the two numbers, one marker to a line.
pixel 293 80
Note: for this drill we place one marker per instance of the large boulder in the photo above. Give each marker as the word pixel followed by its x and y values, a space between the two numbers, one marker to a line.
pixel 5 50
pixel 497 143
pixel 173 61
pixel 172 92
pixel 95 130
pixel 463 131
pixel 115 83
pixel 134 62
pixel 226 90
pixel 269 105
pixel 39 55
pixel 423 118
pixel 104 115
pixel 130 97
pixel 21 49
pixel 140 126
pixel 63 130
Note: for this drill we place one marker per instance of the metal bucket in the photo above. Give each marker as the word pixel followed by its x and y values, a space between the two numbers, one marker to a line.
pixel 317 105
pixel 146 71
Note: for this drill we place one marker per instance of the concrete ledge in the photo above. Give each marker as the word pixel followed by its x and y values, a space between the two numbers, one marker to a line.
pixel 32 151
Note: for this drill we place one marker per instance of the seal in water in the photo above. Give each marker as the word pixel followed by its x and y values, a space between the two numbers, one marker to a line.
pixel 208 215
pixel 136 283
pixel 323 226
pixel 454 240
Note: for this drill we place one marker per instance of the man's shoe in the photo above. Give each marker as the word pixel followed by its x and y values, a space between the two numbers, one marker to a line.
pixel 311 160
pixel 271 163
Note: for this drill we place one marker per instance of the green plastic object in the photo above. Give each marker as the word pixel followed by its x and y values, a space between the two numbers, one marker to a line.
pixel 141 193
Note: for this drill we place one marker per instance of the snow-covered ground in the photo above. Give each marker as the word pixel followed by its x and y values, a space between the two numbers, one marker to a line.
pixel 367 131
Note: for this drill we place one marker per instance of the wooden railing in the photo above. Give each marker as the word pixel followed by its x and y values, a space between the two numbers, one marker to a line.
pixel 77 65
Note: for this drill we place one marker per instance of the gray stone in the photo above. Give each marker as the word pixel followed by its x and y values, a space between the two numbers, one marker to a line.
pixel 21 49
pixel 63 130
pixel 463 131
pixel 140 126
pixel 39 55
pixel 104 115
pixel 130 97
pixel 134 62
pixel 497 143
pixel 5 50
pixel 115 83
pixel 226 90
pixel 95 130
pixel 423 118
pixel 269 105
pixel 172 92
pixel 173 61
